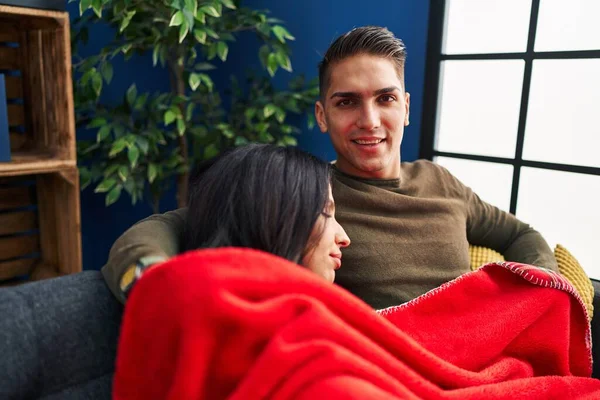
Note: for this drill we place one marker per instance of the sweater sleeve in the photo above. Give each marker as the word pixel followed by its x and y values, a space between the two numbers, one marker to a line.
pixel 488 226
pixel 491 227
pixel 157 235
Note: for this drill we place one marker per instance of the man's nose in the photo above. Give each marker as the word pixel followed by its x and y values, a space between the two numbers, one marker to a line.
pixel 369 119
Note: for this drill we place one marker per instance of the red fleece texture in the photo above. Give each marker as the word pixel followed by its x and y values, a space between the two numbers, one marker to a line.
pixel 242 324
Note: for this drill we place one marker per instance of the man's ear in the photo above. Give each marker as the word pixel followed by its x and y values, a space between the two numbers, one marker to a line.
pixel 320 116
pixel 407 105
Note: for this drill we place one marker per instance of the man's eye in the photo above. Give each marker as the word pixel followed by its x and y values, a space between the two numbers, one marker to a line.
pixel 326 215
pixel 345 103
pixel 386 98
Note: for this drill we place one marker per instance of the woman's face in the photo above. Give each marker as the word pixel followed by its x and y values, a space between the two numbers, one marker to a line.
pixel 326 242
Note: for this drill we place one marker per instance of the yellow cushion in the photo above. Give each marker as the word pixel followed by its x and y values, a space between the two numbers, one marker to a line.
pixel 568 266
pixel 482 255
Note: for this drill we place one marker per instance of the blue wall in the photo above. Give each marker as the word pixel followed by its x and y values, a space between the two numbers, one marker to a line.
pixel 315 24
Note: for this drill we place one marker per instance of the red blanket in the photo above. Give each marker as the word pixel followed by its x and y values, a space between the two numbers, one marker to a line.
pixel 240 324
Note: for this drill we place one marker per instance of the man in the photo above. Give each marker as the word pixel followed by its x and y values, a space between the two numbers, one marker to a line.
pixel 410 223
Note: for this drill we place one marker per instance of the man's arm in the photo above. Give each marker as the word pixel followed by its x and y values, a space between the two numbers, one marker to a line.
pixel 158 235
pixel 491 227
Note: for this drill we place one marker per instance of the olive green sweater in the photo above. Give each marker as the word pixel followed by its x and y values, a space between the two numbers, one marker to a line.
pixel 409 235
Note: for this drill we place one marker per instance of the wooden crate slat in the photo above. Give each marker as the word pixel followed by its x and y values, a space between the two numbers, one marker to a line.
pixel 16 114
pixel 15 197
pixel 14 87
pixel 18 141
pixel 18 246
pixel 60 231
pixel 17 222
pixel 9 35
pixel 9 58
pixel 31 18
pixel 23 266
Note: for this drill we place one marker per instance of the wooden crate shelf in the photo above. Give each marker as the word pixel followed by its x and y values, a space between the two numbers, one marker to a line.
pixel 39 188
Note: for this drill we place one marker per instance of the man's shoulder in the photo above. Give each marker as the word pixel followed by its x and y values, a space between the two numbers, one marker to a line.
pixel 422 169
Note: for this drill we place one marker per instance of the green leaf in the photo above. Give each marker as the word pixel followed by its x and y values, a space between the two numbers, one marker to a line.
pixel 200 35
pixel 117 147
pixel 84 5
pixel 210 151
pixel 228 4
pixel 212 51
pixel 123 172
pixel 125 23
pixel 113 195
pixel 85 178
pixel 280 115
pixel 180 127
pixel 105 185
pixel 152 172
pixel 263 54
pixel 191 6
pixel 133 154
pixel 240 141
pixel 269 110
pixel 141 101
pixel 272 64
pixel 107 71
pixel 290 140
pixel 131 95
pixel 97 83
pixel 204 66
pixel 155 54
pixel 97 7
pixel 143 144
pixel 103 133
pixel 176 19
pixel 183 31
pixel 250 113
pixel 284 61
pixel 97 123
pixel 200 17
pixel 310 120
pixel 281 33
pixel 211 33
pixel 169 117
pixel 222 50
pixel 189 112
pixel 194 81
pixel 210 10
pixel 207 82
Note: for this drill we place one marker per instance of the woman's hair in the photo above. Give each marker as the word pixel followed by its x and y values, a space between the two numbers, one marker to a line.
pixel 264 197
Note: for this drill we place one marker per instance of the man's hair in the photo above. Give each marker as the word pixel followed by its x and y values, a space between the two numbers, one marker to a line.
pixel 264 197
pixel 372 40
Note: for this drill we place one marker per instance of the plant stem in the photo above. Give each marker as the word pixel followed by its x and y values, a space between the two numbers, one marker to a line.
pixel 178 88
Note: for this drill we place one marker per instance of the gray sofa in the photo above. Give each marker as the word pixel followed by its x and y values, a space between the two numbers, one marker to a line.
pixel 59 338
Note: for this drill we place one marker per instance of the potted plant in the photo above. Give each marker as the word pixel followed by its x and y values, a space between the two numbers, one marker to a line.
pixel 148 140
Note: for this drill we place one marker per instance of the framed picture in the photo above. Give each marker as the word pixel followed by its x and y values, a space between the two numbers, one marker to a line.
pixel 4 138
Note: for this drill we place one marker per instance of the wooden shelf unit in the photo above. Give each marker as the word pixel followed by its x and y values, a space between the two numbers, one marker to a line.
pixel 40 232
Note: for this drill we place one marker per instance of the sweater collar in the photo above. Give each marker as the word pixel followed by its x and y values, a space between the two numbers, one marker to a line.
pixel 383 183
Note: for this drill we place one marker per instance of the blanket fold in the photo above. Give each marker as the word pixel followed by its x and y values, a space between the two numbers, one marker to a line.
pixel 242 324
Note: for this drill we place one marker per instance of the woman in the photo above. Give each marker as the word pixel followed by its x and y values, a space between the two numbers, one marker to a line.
pixel 270 198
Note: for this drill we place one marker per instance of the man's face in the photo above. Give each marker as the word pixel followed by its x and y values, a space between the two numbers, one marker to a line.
pixel 365 110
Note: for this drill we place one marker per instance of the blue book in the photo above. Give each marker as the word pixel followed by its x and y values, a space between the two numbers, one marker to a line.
pixel 4 138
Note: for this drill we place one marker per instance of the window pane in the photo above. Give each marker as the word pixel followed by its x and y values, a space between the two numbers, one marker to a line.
pixel 568 25
pixel 479 107
pixel 476 26
pixel 563 206
pixel 562 118
pixel 491 181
